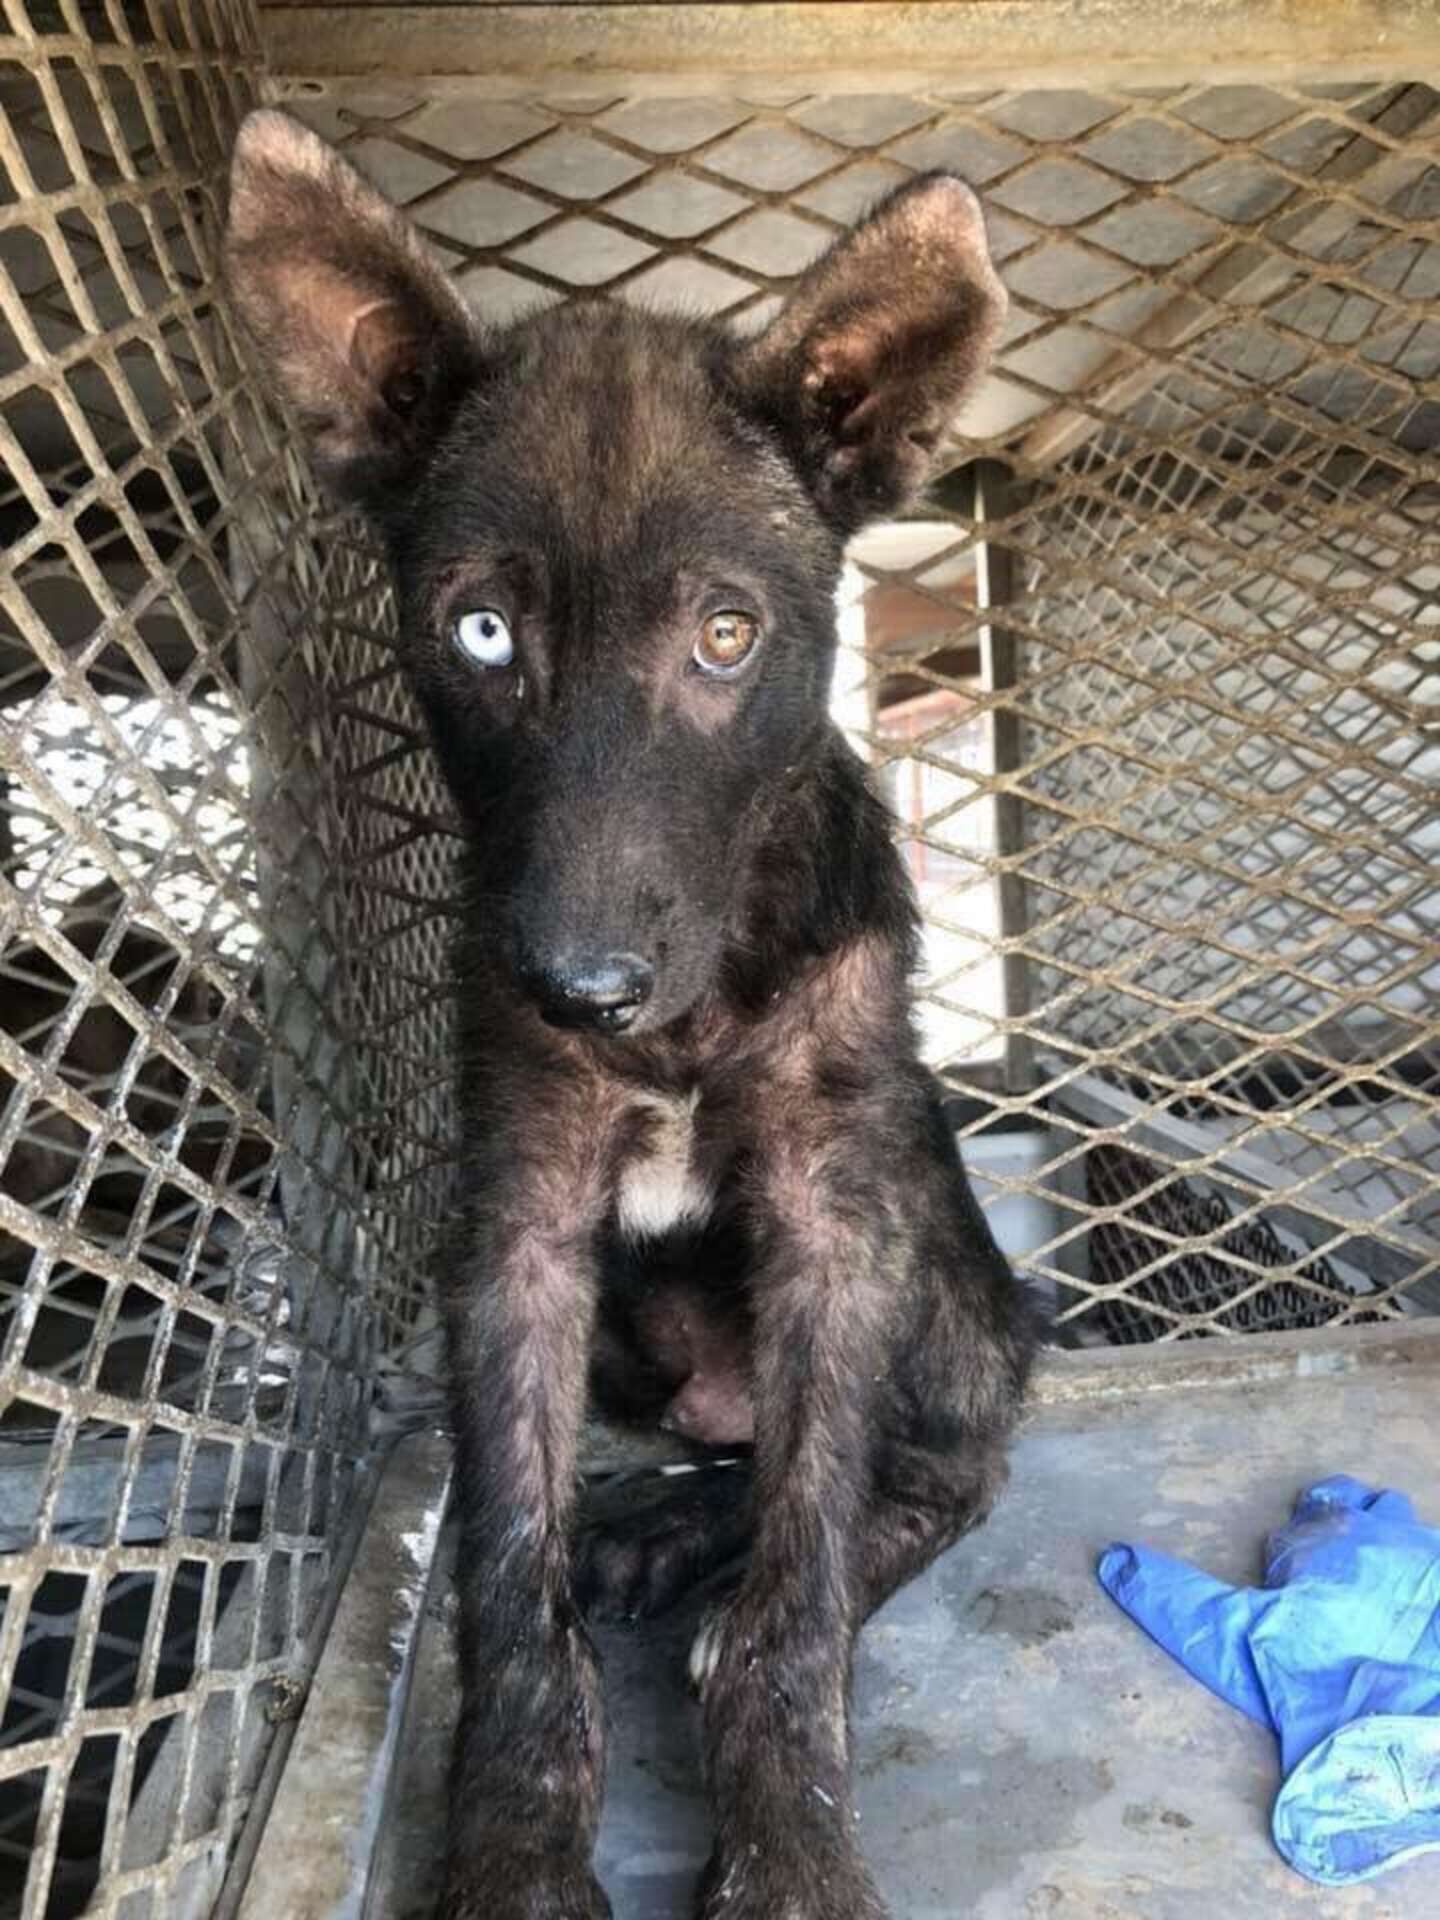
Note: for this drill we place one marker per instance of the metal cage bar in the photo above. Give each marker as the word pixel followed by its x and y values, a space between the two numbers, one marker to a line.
pixel 220 1037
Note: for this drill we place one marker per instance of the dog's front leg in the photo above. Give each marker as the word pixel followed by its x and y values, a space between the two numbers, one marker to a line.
pixel 773 1664
pixel 529 1754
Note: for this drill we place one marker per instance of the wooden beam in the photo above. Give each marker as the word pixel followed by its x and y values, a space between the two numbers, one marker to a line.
pixel 859 45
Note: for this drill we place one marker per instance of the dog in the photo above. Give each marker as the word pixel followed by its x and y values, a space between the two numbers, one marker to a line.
pixel 699 1153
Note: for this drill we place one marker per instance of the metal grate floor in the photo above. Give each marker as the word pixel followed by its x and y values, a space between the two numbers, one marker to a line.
pixel 1022 1751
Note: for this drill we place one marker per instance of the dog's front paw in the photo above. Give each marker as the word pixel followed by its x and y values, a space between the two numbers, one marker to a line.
pixel 532 1887
pixel 706 1647
pixel 759 1881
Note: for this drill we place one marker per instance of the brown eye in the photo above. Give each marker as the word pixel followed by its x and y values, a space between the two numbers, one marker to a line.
pixel 726 641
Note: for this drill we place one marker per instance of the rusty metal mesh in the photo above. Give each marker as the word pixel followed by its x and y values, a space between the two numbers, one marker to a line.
pixel 1149 682
pixel 220 988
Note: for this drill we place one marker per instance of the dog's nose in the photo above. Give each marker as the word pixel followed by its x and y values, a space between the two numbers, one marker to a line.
pixel 590 990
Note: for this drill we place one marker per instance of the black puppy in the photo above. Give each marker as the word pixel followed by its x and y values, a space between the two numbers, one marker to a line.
pixel 694 1119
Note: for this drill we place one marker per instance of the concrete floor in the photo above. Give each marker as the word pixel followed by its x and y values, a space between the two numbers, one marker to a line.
pixel 1022 1750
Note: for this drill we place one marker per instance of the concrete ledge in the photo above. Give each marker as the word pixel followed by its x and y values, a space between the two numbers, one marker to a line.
pixel 315 1855
pixel 1249 1359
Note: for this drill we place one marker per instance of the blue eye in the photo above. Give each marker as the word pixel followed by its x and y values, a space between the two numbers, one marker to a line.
pixel 484 637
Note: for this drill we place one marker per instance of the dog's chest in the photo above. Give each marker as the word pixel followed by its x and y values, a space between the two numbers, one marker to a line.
pixel 660 1186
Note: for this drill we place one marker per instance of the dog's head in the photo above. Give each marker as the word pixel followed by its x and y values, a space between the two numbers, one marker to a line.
pixel 616 539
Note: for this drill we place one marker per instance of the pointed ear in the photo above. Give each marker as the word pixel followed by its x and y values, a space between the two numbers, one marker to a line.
pixel 357 325
pixel 877 347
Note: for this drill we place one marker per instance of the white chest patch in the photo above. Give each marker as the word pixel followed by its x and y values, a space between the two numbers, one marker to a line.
pixel 660 1189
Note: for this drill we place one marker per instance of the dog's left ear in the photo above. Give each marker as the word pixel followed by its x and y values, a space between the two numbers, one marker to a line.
pixel 877 347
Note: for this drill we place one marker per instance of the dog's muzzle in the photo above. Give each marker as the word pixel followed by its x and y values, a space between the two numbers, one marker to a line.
pixel 600 991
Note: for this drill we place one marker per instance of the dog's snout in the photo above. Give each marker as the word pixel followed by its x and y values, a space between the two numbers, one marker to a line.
pixel 605 991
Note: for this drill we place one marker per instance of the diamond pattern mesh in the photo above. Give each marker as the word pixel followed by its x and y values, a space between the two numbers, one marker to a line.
pixel 1151 682
pixel 221 1123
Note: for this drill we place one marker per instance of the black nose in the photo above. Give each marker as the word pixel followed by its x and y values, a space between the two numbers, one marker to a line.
pixel 590 990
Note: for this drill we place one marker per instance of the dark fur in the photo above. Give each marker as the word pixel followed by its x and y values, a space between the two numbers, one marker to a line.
pixel 608 479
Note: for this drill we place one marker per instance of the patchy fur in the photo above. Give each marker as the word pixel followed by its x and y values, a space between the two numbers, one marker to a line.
pixel 659 1188
pixel 705 1178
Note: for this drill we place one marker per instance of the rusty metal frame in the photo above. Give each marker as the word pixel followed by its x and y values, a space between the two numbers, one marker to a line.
pixel 841 45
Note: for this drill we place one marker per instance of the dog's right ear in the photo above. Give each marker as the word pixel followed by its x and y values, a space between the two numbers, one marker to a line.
pixel 357 325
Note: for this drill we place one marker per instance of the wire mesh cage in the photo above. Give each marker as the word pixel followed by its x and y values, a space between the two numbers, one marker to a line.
pixel 1150 682
pixel 217 871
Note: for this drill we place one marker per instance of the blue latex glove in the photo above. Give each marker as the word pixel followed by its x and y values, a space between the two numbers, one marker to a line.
pixel 1338 1653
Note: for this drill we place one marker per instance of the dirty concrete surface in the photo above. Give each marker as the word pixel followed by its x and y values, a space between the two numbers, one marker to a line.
pixel 1022 1751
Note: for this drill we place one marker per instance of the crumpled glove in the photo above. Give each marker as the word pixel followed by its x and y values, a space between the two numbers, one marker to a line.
pixel 1338 1653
